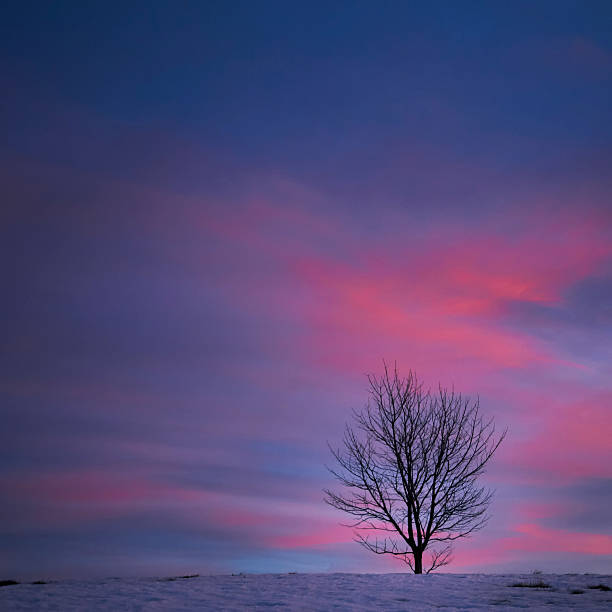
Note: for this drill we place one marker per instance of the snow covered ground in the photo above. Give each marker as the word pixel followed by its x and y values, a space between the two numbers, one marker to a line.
pixel 317 592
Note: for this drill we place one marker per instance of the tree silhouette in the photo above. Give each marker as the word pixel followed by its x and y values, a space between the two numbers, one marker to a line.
pixel 410 467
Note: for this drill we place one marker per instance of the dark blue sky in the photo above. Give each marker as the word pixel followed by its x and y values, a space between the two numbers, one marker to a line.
pixel 218 216
pixel 254 78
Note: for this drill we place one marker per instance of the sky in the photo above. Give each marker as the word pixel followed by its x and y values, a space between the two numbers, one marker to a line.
pixel 219 217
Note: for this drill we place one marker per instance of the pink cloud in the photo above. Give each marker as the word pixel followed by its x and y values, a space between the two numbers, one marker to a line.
pixel 421 317
pixel 90 494
pixel 318 534
pixel 534 538
pixel 571 441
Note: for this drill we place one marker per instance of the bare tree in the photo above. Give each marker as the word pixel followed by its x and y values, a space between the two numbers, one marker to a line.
pixel 410 468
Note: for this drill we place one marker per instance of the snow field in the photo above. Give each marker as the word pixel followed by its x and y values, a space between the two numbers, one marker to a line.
pixel 312 592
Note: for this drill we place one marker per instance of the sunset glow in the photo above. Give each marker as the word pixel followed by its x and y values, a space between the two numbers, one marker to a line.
pixel 211 242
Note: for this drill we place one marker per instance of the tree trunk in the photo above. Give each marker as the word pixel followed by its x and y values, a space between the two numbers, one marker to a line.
pixel 418 561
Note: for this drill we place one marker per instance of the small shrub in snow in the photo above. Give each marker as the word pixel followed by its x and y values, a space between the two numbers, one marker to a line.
pixel 539 584
pixel 601 587
pixel 173 578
